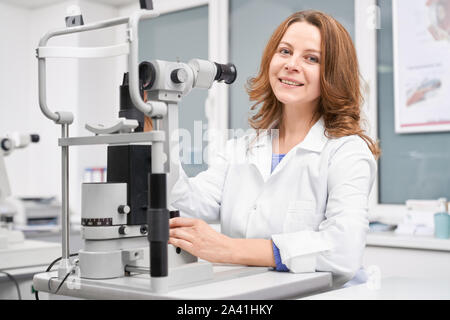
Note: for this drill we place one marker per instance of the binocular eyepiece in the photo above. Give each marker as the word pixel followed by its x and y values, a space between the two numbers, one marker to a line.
pixel 226 72
pixel 163 75
pixel 17 141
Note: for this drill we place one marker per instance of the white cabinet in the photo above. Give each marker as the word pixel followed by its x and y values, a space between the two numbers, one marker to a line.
pixel 407 256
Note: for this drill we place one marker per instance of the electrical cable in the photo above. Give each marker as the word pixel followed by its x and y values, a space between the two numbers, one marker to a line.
pixel 15 282
pixel 60 285
pixel 36 292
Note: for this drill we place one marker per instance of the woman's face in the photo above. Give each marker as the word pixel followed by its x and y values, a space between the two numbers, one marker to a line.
pixel 294 70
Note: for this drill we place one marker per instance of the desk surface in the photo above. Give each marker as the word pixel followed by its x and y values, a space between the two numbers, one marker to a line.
pixel 25 272
pixel 392 288
pixel 28 253
pixel 391 239
pixel 229 282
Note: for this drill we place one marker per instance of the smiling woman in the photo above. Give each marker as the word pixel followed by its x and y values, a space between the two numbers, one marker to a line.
pixel 292 195
pixel 294 71
pixel 296 65
pixel 321 49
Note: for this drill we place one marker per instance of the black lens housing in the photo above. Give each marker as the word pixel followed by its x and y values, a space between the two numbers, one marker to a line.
pixel 147 75
pixel 226 72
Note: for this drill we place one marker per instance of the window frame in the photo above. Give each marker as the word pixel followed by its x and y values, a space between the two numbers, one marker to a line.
pixel 217 102
pixel 366 48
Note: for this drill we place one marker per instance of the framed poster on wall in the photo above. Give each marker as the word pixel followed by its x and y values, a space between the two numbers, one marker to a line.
pixel 421 35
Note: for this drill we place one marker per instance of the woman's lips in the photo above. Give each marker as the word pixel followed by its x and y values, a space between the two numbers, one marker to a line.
pixel 290 83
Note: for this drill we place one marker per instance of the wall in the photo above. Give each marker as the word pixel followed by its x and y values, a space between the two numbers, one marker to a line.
pixel 33 171
pixel 411 166
pixel 14 67
pixel 83 87
pixel 252 22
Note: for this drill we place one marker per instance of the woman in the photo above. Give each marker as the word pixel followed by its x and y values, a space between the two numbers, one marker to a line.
pixel 294 198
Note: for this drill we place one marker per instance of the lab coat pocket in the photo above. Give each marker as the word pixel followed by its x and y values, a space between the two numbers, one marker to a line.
pixel 301 215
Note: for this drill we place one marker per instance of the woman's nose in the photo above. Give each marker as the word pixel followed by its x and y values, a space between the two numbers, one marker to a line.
pixel 292 65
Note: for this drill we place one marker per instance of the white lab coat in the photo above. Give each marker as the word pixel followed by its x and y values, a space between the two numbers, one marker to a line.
pixel 313 205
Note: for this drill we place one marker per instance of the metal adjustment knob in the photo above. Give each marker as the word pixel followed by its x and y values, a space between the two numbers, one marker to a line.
pixel 124 209
pixel 123 230
pixel 174 214
pixel 34 138
pixel 144 229
pixel 179 76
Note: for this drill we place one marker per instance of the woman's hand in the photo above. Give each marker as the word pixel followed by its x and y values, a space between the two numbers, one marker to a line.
pixel 199 239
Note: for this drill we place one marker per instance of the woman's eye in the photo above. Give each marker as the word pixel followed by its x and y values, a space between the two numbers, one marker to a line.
pixel 284 51
pixel 313 59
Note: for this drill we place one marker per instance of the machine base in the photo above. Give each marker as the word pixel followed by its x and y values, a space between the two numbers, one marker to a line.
pixel 110 264
pixel 228 282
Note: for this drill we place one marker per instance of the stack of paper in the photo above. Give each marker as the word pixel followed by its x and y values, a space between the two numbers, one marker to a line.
pixel 419 219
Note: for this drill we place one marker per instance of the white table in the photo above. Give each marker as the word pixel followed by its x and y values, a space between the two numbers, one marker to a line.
pixel 229 282
pixel 392 288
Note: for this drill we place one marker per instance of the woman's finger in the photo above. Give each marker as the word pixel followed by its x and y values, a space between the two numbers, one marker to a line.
pixel 181 233
pixel 181 222
pixel 180 243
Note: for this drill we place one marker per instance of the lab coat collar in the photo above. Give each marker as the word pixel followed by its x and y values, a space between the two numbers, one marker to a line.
pixel 260 148
pixel 315 140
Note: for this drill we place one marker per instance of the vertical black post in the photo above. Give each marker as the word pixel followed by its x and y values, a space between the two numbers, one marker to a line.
pixel 158 224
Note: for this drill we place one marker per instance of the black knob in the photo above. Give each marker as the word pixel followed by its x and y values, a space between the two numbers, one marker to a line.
pixel 6 144
pixel 34 138
pixel 174 214
pixel 179 76
pixel 144 229
pixel 124 209
pixel 123 230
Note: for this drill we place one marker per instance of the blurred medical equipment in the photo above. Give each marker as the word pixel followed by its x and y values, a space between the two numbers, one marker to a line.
pixel 23 213
pixel 41 213
pixel 17 254
pixel 118 216
pixel 125 221
pixel 11 210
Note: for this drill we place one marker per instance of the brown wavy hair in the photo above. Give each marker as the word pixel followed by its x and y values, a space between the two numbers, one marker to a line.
pixel 340 100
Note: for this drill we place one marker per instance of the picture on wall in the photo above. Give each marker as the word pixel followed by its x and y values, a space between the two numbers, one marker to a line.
pixel 421 65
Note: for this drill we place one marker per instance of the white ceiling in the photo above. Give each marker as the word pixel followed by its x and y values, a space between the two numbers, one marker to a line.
pixel 32 4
